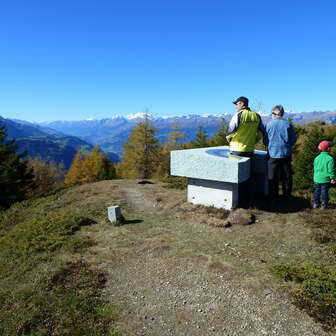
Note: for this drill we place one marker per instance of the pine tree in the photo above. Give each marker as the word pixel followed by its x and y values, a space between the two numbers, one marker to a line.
pixel 201 138
pixel 141 152
pixel 219 139
pixel 15 177
pixel 303 161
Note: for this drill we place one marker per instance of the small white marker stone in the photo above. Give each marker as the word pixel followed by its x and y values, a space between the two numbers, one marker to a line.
pixel 114 213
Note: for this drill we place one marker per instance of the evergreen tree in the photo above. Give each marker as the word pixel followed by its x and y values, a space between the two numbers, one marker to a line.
pixel 330 132
pixel 15 177
pixel 304 159
pixel 141 151
pixel 201 138
pixel 219 139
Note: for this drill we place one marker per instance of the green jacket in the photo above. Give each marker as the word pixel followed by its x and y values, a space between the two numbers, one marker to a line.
pixel 324 168
pixel 245 130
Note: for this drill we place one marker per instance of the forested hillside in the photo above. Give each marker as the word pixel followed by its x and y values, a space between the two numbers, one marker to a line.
pixel 46 143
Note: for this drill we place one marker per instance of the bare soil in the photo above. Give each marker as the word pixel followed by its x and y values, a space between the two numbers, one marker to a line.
pixel 179 269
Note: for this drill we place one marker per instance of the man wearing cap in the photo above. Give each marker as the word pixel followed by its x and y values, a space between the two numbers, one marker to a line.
pixel 245 129
pixel 280 138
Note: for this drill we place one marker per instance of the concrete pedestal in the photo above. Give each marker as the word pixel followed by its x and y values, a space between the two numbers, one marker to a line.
pixel 212 193
pixel 215 176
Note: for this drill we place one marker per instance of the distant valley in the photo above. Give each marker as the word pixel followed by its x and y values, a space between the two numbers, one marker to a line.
pixel 46 143
pixel 60 140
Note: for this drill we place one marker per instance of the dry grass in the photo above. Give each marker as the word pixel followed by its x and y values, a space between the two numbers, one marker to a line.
pixel 241 245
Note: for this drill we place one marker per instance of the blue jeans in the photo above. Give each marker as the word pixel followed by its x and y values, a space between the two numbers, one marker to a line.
pixel 321 193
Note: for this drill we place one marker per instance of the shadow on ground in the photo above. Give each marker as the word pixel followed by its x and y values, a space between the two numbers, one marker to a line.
pixel 290 205
pixel 132 221
pixel 145 182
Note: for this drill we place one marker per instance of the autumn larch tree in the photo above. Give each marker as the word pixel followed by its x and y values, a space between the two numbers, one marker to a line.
pixel 47 176
pixel 91 167
pixel 76 174
pixel 174 138
pixel 141 151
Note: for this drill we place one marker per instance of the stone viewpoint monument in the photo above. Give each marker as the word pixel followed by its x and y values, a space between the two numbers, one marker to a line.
pixel 214 174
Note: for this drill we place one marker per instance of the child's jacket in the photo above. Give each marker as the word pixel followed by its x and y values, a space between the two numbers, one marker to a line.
pixel 324 168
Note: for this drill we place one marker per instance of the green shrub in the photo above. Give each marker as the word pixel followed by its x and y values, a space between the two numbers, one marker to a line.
pixel 38 235
pixel 317 290
pixel 39 294
pixel 174 182
pixel 67 302
pixel 332 194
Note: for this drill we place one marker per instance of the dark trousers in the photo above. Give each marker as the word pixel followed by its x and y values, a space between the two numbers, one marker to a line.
pixel 246 189
pixel 280 169
pixel 321 193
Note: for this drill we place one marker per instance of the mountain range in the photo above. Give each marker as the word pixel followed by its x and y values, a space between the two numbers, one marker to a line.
pixel 111 133
pixel 40 141
pixel 60 140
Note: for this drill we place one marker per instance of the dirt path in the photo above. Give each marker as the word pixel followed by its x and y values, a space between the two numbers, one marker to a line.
pixel 170 284
pixel 172 296
pixel 150 198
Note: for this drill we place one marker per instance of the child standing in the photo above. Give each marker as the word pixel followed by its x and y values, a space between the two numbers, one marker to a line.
pixel 324 174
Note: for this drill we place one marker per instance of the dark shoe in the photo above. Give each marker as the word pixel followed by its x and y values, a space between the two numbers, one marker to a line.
pixel 324 206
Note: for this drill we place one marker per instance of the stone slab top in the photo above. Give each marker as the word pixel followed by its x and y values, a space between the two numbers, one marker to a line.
pixel 212 163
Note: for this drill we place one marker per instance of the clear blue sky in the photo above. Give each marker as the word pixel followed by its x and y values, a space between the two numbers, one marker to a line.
pixel 74 59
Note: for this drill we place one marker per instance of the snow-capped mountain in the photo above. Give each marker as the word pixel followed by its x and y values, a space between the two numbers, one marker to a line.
pixel 111 133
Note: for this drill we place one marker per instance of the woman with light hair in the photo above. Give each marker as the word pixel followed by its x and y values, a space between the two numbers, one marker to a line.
pixel 280 138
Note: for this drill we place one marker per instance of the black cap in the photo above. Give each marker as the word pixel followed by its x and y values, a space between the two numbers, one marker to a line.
pixel 241 99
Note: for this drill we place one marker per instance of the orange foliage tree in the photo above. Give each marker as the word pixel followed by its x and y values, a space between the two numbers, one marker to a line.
pixel 91 167
pixel 47 176
pixel 141 152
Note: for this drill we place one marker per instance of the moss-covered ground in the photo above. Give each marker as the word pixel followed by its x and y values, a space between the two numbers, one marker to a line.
pixel 46 286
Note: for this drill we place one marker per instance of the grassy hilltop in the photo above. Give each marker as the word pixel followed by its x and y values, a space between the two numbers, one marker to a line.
pixel 47 285
pixel 171 269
